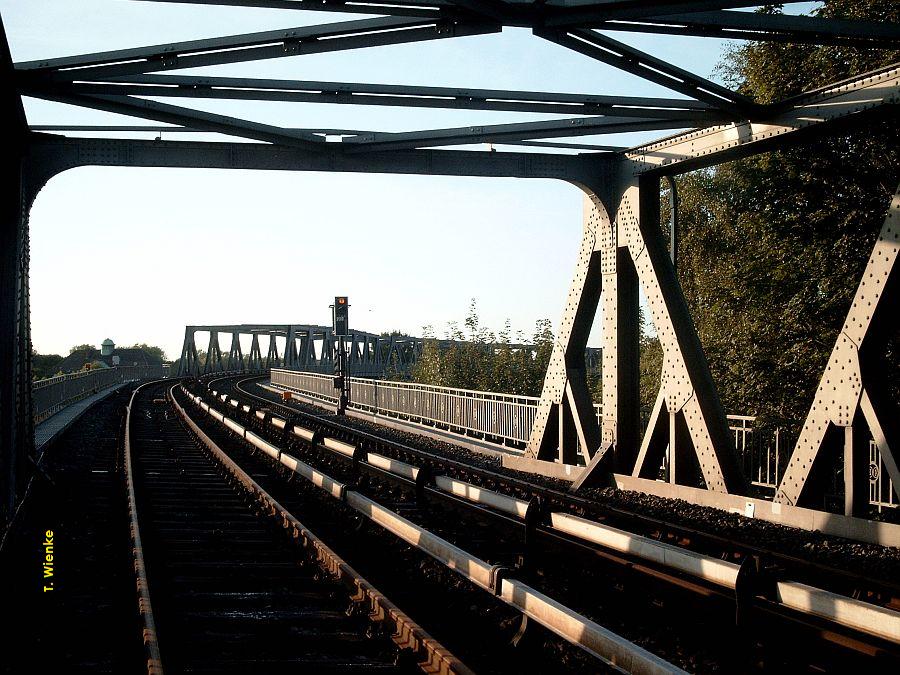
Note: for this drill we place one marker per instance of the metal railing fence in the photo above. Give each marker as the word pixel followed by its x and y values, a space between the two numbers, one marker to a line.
pixel 500 418
pixel 55 393
pixel 506 419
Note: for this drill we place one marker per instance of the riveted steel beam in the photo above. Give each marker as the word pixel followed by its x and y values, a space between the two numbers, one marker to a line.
pixel 566 14
pixel 12 113
pixel 272 360
pixel 213 354
pixel 235 354
pixel 633 120
pixel 171 114
pixel 851 393
pixel 61 153
pixel 427 8
pixel 350 93
pixel 249 47
pixel 16 195
pixel 617 255
pixel 121 128
pixel 631 60
pixel 727 25
pixel 702 19
pixel 254 357
pixel 564 418
pixel 698 429
pixel 790 121
pixel 498 133
pixel 189 364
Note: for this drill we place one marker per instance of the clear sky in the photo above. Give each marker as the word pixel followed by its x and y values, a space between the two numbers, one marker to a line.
pixel 135 254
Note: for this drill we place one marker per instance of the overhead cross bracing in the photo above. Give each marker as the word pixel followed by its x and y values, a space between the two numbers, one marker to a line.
pixel 621 251
pixel 120 81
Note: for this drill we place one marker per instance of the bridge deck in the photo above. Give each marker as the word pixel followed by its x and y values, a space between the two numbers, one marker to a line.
pixel 51 428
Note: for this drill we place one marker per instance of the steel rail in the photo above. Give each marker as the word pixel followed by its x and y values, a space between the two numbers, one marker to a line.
pixel 575 503
pixel 806 601
pixel 557 496
pixel 837 609
pixel 145 607
pixel 877 621
pixel 434 657
pixel 564 622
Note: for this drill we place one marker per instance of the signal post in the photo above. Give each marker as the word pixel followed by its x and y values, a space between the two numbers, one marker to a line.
pixel 341 327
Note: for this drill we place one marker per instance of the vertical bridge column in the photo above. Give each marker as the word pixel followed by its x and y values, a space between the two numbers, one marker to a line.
pixel 235 354
pixel 614 257
pixel 255 353
pixel 308 348
pixel 272 360
pixel 213 354
pixel 16 429
pixel 565 412
pixel 189 364
pixel 290 348
pixel 693 426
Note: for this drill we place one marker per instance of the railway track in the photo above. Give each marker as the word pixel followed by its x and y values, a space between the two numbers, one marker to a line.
pixel 425 569
pixel 861 627
pixel 882 591
pixel 230 581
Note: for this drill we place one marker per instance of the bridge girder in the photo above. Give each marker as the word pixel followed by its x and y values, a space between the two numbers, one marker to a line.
pixel 619 250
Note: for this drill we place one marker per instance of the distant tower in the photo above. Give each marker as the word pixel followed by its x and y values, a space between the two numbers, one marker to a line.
pixel 107 347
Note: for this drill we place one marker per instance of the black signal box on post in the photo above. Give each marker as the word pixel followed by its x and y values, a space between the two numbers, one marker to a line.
pixel 341 316
pixel 341 325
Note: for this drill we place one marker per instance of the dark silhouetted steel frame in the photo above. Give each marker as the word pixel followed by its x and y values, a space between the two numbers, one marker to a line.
pixel 622 247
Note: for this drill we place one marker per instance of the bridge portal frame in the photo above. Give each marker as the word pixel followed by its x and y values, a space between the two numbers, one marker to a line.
pixel 621 250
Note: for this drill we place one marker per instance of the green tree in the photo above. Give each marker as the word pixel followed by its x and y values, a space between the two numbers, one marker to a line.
pixel 542 340
pixel 427 368
pixel 44 365
pixel 772 247
pixel 475 358
pixel 154 351
pixel 81 348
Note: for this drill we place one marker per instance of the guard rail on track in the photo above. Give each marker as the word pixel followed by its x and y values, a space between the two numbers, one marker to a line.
pixel 880 622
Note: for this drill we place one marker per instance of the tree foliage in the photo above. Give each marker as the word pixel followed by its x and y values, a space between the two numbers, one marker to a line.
pixel 473 357
pixel 772 247
pixel 44 365
pixel 153 351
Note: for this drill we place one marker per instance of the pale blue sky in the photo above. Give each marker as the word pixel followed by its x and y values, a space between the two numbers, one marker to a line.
pixel 135 254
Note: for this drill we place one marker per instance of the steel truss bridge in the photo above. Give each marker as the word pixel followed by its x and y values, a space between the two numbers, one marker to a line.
pixel 368 354
pixel 622 248
pixel 313 348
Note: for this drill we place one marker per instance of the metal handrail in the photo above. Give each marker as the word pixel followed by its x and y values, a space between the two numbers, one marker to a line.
pixel 51 395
